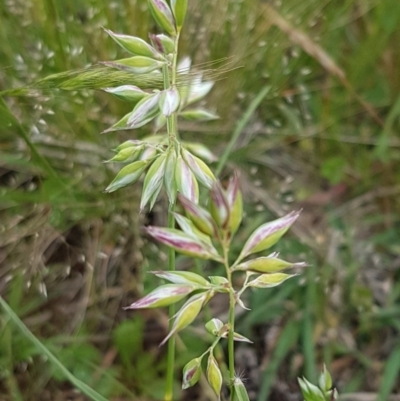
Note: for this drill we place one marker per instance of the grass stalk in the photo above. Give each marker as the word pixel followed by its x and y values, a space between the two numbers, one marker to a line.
pixel 170 80
pixel 171 342
pixel 231 342
pixel 231 321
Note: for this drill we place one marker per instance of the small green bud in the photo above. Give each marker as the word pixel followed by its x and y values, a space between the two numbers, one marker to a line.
pixel 186 181
pixel 127 155
pixel 234 197
pixel 120 125
pixel 270 280
pixel 135 45
pixel 136 65
pixel 200 218
pixel 198 90
pixel 191 373
pixel 128 144
pixel 219 206
pixel 163 16
pixel 219 280
pixel 267 264
pixel 164 295
pixel 145 111
pixel 237 337
pixel 189 228
pixel 169 101
pixel 183 277
pixel 153 180
pixel 310 391
pixel 128 93
pixel 128 175
pixel 214 375
pixel 325 380
pixel 169 176
pixel 187 313
pixel 214 326
pixel 239 390
pixel 268 234
pixel 163 43
pixel 159 122
pixel 179 8
pixel 186 244
pixel 198 115
pixel 200 151
pixel 202 172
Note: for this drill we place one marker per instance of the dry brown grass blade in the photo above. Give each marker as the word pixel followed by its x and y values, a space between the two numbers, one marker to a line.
pixel 319 54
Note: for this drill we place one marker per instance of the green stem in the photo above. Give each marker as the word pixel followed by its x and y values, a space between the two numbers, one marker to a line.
pixel 169 387
pixel 172 129
pixel 232 302
pixel 231 342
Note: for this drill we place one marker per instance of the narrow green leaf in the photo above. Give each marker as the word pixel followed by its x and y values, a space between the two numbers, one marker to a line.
pixel 243 121
pixel 287 339
pixel 390 374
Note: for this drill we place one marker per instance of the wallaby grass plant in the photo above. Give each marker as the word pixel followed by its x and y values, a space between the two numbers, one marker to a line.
pixel 306 114
pixel 204 234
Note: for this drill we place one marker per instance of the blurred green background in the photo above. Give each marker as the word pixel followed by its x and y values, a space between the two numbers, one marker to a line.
pixel 314 98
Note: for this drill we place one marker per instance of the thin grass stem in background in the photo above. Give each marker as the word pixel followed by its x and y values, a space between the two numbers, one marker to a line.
pixel 288 337
pixel 94 395
pixel 308 325
pixel 239 128
pixel 390 375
